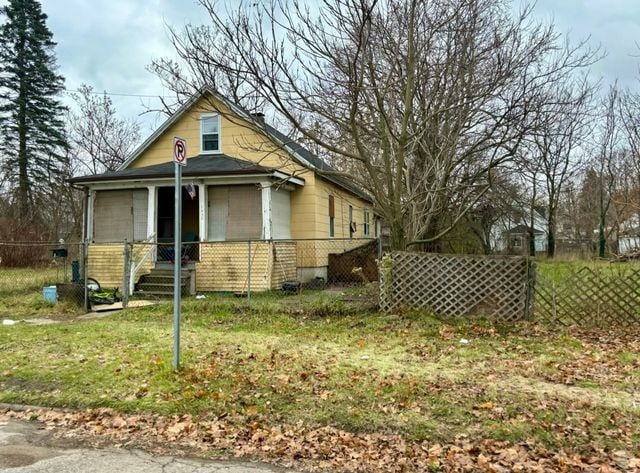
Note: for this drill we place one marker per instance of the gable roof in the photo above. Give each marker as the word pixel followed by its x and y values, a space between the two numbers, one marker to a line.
pixel 202 165
pixel 302 155
pixel 524 229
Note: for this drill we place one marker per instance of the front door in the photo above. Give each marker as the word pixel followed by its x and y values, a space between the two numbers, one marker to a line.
pixel 165 222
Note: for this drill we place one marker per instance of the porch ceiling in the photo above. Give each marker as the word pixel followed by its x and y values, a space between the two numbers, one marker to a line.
pixel 198 166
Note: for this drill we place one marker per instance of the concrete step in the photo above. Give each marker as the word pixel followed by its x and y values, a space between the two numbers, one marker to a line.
pixel 155 279
pixel 168 290
pixel 159 283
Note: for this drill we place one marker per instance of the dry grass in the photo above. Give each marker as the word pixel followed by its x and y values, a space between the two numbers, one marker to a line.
pixel 325 363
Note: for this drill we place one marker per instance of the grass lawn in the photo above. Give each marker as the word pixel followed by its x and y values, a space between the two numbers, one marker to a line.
pixel 558 272
pixel 21 293
pixel 325 363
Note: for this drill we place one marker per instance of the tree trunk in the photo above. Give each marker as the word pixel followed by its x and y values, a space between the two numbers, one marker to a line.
pixel 23 175
pixel 602 239
pixel 532 232
pixel 551 243
pixel 398 239
pixel 532 242
pixel 602 215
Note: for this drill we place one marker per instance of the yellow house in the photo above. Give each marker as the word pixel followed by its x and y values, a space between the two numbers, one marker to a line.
pixel 258 208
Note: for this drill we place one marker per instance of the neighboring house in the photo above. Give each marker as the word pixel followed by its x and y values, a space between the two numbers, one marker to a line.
pixel 249 182
pixel 512 235
pixel 629 235
pixel 517 238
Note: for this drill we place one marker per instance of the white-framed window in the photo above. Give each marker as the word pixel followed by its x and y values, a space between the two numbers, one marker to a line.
pixel 365 223
pixel 210 133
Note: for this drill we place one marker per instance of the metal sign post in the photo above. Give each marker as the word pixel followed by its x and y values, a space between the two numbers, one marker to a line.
pixel 180 159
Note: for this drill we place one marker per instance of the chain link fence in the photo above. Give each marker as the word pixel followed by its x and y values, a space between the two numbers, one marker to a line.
pixel 94 274
pixel 239 267
pixel 33 274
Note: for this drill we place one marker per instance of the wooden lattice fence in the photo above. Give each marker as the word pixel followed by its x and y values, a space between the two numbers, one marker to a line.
pixel 590 296
pixel 495 287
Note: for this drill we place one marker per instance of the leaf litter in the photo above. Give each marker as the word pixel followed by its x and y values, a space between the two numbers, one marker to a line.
pixel 320 448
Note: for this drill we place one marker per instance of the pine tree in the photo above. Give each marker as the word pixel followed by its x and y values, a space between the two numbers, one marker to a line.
pixel 33 143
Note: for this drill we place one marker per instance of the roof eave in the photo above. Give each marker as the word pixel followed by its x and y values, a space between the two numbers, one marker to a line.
pixel 163 176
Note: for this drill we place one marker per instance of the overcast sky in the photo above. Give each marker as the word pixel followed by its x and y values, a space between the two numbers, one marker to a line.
pixel 108 44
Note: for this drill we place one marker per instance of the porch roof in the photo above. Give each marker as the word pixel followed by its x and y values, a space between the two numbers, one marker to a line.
pixel 198 166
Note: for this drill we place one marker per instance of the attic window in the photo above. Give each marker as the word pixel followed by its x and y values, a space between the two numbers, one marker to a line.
pixel 210 132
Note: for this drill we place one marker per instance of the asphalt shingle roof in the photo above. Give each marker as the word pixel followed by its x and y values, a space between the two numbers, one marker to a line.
pixel 202 165
pixel 224 165
pixel 324 169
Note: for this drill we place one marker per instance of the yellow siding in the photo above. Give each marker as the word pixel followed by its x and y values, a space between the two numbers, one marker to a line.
pixel 309 204
pixel 106 263
pixel 238 139
pixel 223 266
pixel 342 200
pixel 284 264
pixel 304 209
pixel 315 253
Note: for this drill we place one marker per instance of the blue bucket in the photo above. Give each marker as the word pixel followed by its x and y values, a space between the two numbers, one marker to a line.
pixel 50 293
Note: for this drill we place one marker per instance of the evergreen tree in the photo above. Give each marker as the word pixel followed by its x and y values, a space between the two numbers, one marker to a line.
pixel 33 143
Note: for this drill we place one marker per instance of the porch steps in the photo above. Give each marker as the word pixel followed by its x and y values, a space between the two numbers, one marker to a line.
pixel 159 283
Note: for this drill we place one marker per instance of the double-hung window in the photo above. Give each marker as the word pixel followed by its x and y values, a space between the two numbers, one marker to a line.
pixel 210 133
pixel 365 223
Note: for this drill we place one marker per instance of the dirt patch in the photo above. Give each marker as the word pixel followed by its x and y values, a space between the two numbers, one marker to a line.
pixel 20 384
pixel 602 397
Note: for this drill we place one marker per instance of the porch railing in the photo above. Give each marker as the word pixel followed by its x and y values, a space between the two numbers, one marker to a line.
pixel 148 252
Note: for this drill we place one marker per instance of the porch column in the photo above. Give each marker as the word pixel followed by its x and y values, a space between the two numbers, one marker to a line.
pixel 266 211
pixel 151 212
pixel 203 214
pixel 90 206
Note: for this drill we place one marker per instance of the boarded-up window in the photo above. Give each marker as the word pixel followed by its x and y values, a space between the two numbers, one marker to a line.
pixel 235 213
pixel 120 214
pixel 280 214
pixel 140 205
pixel 218 209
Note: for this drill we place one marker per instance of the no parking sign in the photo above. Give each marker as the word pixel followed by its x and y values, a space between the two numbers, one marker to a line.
pixel 180 151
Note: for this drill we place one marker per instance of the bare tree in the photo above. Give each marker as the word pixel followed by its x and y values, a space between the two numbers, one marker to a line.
pixel 418 101
pixel 608 158
pixel 562 127
pixel 630 118
pixel 100 140
pixel 499 209
pixel 529 172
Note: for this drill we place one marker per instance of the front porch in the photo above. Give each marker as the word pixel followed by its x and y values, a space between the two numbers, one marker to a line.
pixel 229 266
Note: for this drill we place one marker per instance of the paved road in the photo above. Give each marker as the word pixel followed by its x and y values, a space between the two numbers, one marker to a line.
pixel 25 448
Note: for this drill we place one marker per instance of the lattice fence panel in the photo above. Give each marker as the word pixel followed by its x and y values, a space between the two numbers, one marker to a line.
pixel 494 287
pixel 590 296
